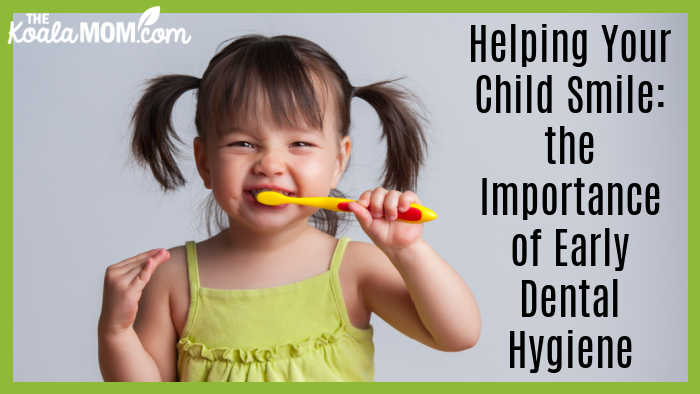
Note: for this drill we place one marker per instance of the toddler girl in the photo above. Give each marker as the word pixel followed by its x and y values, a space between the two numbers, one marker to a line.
pixel 272 297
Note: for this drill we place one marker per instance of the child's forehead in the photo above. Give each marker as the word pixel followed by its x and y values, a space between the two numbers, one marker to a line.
pixel 261 126
pixel 260 120
pixel 260 105
pixel 268 128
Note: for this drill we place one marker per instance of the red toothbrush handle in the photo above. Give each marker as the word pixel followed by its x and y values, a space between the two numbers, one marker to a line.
pixel 411 214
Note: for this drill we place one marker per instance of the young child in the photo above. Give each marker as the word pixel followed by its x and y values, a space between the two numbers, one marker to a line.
pixel 272 297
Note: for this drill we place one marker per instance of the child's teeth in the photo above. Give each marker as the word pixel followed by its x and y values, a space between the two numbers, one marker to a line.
pixel 257 191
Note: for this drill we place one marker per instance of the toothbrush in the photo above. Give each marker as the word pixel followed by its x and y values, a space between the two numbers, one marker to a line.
pixel 415 214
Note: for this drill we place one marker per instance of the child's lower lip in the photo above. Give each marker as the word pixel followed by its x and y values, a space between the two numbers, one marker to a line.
pixel 249 197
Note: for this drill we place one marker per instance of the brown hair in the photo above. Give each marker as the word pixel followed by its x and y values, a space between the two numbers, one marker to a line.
pixel 279 73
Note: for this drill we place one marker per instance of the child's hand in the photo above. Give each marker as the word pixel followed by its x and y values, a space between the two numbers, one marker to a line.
pixel 377 211
pixel 124 282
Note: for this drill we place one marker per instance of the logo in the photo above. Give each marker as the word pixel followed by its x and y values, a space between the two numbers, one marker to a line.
pixel 37 28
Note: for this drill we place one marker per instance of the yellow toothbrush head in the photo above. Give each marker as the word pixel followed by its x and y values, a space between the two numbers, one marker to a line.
pixel 269 197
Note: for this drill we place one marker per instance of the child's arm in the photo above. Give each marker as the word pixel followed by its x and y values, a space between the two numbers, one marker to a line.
pixel 125 355
pixel 124 359
pixel 407 283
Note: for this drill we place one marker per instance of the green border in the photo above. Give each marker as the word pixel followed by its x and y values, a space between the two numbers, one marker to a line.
pixel 279 6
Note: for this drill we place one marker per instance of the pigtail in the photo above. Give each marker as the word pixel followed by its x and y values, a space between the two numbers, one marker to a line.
pixel 402 129
pixel 151 143
pixel 329 221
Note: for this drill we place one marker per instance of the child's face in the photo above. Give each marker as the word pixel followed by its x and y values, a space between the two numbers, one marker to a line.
pixel 303 162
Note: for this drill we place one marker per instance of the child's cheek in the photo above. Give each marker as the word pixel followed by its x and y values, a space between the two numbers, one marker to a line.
pixel 315 177
pixel 227 182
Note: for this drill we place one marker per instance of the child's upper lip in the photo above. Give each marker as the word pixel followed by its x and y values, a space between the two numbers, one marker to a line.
pixel 268 186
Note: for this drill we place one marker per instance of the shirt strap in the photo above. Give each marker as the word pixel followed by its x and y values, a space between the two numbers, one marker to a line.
pixel 338 255
pixel 193 275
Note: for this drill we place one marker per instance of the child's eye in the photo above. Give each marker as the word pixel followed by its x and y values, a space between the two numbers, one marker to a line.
pixel 302 144
pixel 244 144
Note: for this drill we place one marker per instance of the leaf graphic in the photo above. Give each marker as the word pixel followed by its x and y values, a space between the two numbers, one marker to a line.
pixel 149 17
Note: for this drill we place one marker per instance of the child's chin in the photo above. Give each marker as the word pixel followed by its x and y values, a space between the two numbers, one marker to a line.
pixel 269 223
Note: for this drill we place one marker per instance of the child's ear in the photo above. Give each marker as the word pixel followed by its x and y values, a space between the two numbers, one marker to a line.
pixel 342 160
pixel 200 157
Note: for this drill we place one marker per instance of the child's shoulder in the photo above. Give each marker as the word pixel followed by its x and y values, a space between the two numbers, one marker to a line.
pixel 173 275
pixel 169 274
pixel 364 259
pixel 175 268
pixel 355 269
pixel 362 251
pixel 370 272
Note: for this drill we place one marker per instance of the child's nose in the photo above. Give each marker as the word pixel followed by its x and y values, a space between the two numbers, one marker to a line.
pixel 270 163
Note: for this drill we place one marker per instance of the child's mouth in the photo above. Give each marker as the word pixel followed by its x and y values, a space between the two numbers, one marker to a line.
pixel 251 196
pixel 254 192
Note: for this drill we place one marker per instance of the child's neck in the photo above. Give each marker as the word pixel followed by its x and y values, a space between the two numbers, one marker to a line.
pixel 244 240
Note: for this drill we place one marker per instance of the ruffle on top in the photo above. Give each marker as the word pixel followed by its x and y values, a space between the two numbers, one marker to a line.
pixel 275 362
pixel 262 354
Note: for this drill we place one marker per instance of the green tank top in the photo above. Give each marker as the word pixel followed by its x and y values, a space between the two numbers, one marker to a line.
pixel 295 332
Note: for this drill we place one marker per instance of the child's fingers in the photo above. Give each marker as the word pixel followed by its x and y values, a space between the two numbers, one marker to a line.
pixel 364 198
pixel 128 264
pixel 376 205
pixel 391 202
pixel 133 271
pixel 142 266
pixel 361 213
pixel 136 271
pixel 143 275
pixel 138 256
pixel 406 199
